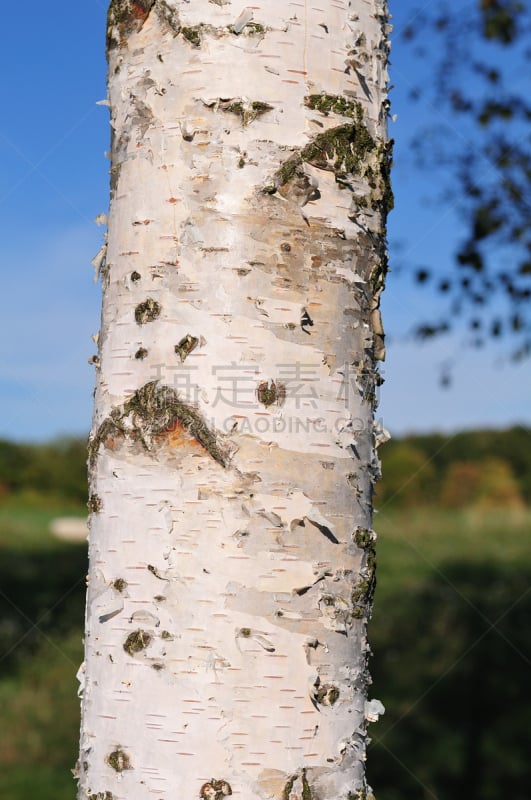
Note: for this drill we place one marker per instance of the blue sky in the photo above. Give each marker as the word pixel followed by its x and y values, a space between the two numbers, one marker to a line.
pixel 54 183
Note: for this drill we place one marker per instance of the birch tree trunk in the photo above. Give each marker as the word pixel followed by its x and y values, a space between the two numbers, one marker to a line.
pixel 232 453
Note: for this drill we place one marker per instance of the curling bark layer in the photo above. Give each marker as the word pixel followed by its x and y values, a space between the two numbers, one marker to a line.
pixel 232 453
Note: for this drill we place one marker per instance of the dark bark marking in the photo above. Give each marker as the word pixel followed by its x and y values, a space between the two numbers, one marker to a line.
pixel 152 411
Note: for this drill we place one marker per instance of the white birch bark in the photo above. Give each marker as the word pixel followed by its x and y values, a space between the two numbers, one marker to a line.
pixel 232 453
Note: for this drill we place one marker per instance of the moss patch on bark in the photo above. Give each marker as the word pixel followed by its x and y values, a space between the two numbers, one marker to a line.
pixel 304 793
pixel 215 790
pixel 334 104
pixel 125 17
pixel 348 150
pixel 152 411
pixel 247 111
pixel 119 760
pixel 136 642
pixel 147 311
pixel 187 344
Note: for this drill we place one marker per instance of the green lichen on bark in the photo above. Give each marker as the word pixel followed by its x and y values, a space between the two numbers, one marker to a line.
pixel 215 790
pixel 286 794
pixel 168 15
pixel 368 378
pixel 340 150
pixel 379 273
pixel 363 593
pixel 269 393
pixel 334 104
pixel 154 410
pixel 187 344
pixel 125 17
pixel 254 28
pixel 348 150
pixel 361 794
pixel 192 34
pixel 136 642
pixel 327 695
pixel 94 504
pixel 378 176
pixel 119 760
pixel 363 538
pixel 305 790
pixel 248 111
pixel 361 597
pixel 147 311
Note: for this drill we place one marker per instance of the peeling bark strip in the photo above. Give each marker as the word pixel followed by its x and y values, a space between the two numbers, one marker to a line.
pixel 233 448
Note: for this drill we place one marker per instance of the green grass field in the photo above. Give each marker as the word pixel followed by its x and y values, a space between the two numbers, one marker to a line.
pixel 25 520
pixel 449 632
pixel 452 655
pixel 42 592
pixel 416 543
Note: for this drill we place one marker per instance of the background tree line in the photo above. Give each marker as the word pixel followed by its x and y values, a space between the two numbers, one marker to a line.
pixel 486 468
